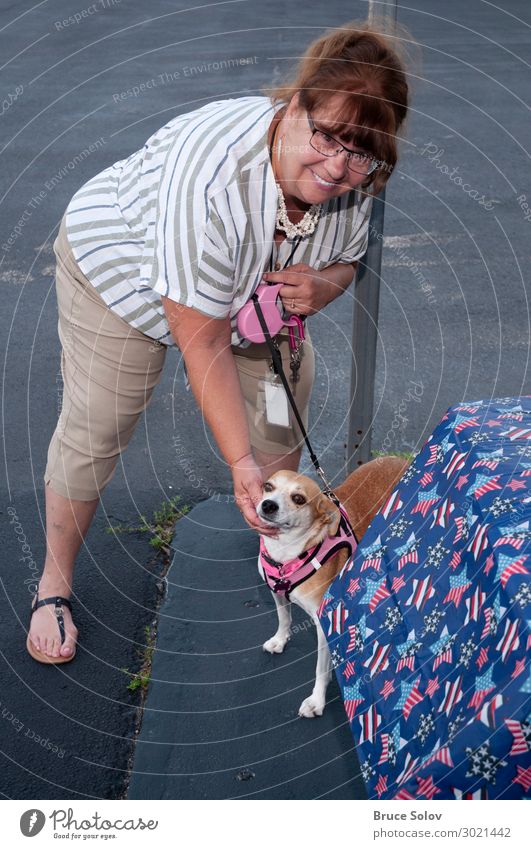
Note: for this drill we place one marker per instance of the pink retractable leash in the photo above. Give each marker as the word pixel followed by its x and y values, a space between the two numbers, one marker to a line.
pixel 269 300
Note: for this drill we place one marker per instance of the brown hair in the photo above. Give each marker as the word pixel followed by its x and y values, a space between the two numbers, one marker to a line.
pixel 363 62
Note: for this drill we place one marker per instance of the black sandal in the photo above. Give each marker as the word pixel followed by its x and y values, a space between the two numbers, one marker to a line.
pixel 58 600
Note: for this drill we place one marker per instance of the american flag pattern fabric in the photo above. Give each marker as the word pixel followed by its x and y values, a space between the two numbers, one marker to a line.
pixel 432 650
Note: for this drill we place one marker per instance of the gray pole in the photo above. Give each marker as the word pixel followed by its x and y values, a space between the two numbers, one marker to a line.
pixel 365 315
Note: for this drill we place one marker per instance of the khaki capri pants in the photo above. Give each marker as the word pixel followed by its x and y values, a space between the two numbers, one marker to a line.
pixel 110 370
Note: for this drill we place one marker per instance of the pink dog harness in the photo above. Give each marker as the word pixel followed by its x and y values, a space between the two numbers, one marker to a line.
pixel 284 577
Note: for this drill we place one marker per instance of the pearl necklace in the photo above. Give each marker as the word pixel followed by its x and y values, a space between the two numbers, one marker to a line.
pixel 306 226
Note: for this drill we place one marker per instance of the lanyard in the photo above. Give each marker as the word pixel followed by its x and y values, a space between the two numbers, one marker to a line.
pixel 277 364
pixel 296 243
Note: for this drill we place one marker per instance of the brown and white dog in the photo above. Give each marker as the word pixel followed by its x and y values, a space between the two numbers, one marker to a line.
pixel 305 517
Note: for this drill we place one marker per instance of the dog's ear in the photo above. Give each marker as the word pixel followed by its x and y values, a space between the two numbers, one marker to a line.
pixel 329 514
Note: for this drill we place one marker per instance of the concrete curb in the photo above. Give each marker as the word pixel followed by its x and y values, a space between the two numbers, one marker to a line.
pixel 221 716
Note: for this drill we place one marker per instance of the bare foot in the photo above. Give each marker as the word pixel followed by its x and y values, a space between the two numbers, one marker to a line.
pixel 44 629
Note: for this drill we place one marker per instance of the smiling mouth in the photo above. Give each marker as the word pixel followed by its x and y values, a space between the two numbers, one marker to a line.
pixel 325 183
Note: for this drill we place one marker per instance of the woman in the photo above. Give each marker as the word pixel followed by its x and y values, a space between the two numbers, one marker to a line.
pixel 165 247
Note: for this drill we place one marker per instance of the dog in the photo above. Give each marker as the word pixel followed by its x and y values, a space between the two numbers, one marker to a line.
pixel 306 517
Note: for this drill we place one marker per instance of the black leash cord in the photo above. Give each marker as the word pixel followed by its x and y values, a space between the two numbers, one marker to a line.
pixel 277 365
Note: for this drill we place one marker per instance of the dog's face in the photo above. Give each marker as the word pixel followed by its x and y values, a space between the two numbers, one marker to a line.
pixel 294 503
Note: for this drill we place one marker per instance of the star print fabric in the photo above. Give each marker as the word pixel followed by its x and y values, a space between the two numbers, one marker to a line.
pixel 428 622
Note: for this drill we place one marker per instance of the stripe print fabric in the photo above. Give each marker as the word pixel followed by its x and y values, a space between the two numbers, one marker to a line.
pixel 191 216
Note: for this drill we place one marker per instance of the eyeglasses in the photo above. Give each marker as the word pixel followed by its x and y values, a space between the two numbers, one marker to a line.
pixel 359 162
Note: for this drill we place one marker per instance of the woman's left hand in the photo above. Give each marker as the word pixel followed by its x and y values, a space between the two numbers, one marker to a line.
pixel 305 290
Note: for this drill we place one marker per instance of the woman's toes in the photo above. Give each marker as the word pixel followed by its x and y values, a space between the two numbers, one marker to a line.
pixel 69 646
pixel 67 649
pixel 51 645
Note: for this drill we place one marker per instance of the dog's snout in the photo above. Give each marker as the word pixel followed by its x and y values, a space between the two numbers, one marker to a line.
pixel 269 507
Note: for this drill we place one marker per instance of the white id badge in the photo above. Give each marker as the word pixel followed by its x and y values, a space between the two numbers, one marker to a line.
pixel 276 404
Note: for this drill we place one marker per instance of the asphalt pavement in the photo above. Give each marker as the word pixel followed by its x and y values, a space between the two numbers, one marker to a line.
pixel 83 86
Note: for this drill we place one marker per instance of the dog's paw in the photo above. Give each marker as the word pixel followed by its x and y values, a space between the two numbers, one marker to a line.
pixel 311 707
pixel 276 644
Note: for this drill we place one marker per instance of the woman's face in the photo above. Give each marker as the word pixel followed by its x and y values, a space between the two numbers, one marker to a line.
pixel 305 174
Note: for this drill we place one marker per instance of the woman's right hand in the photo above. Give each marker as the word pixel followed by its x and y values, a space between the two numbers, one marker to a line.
pixel 248 482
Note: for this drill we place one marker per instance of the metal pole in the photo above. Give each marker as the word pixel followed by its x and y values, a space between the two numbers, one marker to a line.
pixel 387 9
pixel 365 314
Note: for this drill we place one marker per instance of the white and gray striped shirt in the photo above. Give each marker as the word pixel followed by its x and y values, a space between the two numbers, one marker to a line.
pixel 192 216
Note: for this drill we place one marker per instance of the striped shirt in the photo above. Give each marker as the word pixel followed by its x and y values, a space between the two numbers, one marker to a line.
pixel 192 216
